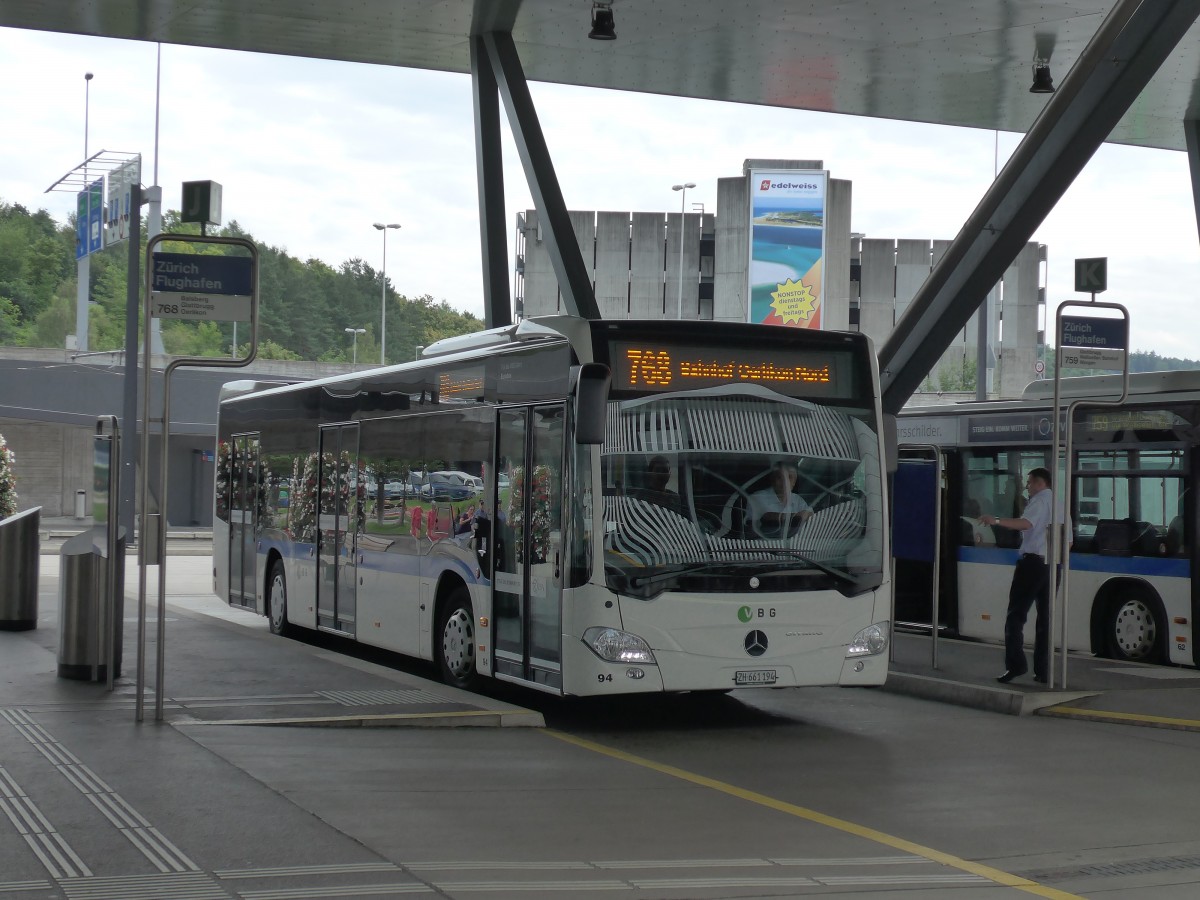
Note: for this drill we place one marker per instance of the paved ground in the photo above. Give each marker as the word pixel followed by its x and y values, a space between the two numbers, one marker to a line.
pixel 762 793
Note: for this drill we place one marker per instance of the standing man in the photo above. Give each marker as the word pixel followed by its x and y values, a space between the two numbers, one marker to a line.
pixel 1030 582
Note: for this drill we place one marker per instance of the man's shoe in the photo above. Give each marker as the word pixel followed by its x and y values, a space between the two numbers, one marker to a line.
pixel 1009 675
pixel 1040 679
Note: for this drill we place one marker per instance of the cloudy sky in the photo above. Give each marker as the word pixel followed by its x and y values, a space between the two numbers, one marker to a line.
pixel 311 152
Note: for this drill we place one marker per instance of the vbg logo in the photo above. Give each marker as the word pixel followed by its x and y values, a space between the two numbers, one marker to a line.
pixel 745 614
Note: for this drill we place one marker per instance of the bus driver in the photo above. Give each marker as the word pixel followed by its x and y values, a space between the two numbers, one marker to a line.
pixel 777 511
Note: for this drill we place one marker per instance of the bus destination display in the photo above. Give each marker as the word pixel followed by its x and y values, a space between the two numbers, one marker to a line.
pixel 653 367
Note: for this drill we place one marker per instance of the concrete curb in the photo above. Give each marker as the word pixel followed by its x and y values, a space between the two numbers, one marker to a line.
pixel 999 700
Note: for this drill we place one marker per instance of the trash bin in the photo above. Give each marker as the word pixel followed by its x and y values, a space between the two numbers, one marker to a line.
pixel 83 610
pixel 19 560
pixel 81 504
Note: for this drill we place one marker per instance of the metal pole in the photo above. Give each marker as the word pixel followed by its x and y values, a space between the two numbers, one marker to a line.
pixel 112 523
pixel 87 102
pixel 682 200
pixel 683 189
pixel 1057 531
pixel 144 543
pixel 161 521
pixel 382 307
pixel 383 294
pixel 130 377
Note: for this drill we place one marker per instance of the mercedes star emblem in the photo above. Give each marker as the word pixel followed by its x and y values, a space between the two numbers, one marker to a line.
pixel 756 643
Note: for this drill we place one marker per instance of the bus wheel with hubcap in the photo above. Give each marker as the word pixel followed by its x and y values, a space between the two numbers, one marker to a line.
pixel 456 640
pixel 277 600
pixel 1133 628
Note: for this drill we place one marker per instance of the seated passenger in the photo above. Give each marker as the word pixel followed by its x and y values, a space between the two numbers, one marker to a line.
pixel 778 511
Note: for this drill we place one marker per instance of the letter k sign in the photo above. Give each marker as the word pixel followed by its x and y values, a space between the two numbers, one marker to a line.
pixel 1091 275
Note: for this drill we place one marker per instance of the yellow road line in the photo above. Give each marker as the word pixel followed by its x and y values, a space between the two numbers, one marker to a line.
pixel 992 874
pixel 371 719
pixel 1103 715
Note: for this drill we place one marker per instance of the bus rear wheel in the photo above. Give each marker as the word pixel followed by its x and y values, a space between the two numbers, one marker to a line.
pixel 1134 628
pixel 456 640
pixel 277 600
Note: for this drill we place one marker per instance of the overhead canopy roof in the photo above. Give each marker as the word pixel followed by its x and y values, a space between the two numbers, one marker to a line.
pixel 955 62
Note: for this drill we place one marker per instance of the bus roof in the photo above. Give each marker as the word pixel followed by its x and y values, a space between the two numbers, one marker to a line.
pixel 1175 382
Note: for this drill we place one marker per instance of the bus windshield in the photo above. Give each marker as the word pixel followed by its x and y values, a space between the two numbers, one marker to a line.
pixel 737 487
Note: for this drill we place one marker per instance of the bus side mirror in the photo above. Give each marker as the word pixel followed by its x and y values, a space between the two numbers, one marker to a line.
pixel 891 443
pixel 591 403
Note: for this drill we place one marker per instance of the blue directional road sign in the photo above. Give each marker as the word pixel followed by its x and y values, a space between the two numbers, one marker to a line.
pixel 89 212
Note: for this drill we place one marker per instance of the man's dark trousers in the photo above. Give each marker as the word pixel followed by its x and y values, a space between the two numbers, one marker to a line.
pixel 1031 582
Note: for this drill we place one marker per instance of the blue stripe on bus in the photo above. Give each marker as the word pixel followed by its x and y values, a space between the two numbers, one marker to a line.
pixel 1170 567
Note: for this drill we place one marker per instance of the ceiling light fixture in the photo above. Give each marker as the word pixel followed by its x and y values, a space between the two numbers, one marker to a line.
pixel 1042 82
pixel 602 23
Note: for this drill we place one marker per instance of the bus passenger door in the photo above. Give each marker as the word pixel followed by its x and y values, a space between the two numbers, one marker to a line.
pixel 527 579
pixel 337 529
pixel 243 518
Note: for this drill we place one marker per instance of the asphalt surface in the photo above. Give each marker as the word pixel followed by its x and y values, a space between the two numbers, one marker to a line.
pixel 291 769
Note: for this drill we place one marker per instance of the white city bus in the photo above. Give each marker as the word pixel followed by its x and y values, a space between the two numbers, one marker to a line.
pixel 551 559
pixel 1131 592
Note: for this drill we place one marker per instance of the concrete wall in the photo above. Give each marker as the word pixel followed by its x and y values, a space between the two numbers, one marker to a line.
pixel 48 409
pixel 633 258
pixel 53 461
pixel 892 272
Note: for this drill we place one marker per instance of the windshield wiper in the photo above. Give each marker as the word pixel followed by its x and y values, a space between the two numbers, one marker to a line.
pixel 797 555
pixel 642 580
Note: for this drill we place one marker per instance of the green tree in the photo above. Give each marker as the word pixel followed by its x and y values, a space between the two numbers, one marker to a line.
pixel 304 306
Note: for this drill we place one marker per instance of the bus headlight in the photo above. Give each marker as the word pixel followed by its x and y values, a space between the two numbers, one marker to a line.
pixel 871 641
pixel 612 645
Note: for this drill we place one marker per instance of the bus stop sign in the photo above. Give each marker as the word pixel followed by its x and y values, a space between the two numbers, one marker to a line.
pixel 1093 343
pixel 1091 275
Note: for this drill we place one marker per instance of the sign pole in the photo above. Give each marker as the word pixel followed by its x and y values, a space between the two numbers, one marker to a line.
pixel 1090 342
pixel 222 285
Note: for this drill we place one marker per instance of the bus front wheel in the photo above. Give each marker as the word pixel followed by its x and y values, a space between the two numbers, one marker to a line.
pixel 456 640
pixel 277 599
pixel 1134 628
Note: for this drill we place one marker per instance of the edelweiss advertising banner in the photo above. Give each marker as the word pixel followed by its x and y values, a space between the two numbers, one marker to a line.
pixel 787 246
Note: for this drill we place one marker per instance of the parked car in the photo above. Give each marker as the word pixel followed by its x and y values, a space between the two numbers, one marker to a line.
pixel 448 486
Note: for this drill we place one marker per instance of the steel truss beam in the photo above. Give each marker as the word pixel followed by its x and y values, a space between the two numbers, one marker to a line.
pixel 509 78
pixel 1128 48
pixel 489 167
pixel 1191 134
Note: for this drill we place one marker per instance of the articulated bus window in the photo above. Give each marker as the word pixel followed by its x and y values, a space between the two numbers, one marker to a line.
pixel 1130 502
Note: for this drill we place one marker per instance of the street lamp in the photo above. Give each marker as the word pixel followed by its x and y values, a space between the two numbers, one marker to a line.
pixel 354 353
pixel 87 101
pixel 383 301
pixel 682 206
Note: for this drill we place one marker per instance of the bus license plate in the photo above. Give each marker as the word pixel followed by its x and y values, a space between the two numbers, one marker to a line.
pixel 754 676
